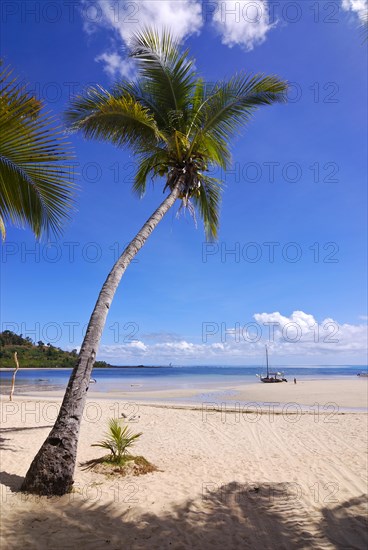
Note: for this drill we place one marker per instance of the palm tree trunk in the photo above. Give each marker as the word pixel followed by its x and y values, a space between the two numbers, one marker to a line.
pixel 52 469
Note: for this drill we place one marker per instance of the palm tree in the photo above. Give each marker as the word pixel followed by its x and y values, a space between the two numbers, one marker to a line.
pixel 178 128
pixel 35 188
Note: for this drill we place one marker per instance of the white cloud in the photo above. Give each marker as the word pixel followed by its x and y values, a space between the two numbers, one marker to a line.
pixel 245 23
pixel 184 17
pixel 136 344
pixel 238 22
pixel 358 6
pixel 116 66
pixel 302 333
pixel 295 339
pixel 136 348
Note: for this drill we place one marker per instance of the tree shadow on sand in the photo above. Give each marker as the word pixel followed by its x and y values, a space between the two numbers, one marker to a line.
pixel 230 517
pixel 6 446
pixel 12 481
pixel 24 428
pixel 9 447
pixel 346 525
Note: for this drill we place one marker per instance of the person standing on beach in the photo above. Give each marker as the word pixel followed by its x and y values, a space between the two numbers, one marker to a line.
pixel 294 380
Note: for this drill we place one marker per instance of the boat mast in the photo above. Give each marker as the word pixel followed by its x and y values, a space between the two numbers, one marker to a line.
pixel 267 360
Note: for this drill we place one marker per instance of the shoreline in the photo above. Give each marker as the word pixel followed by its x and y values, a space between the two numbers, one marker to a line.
pixel 329 396
pixel 253 408
pixel 258 368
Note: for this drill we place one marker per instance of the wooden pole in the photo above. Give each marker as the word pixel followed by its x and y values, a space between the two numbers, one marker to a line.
pixel 13 377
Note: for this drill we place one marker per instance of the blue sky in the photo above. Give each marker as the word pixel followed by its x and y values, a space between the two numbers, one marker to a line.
pixel 293 211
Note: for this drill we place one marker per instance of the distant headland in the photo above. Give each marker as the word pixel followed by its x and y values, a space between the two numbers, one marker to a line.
pixel 38 355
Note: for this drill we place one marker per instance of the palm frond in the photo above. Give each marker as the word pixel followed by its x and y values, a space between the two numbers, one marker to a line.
pixel 35 183
pixel 214 150
pixel 120 120
pixel 141 91
pixel 207 201
pixel 155 163
pixel 231 104
pixel 168 72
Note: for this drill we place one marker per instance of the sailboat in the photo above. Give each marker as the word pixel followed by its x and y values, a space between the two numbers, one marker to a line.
pixel 271 377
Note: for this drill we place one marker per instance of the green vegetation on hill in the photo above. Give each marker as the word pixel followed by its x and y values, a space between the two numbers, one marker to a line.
pixel 36 355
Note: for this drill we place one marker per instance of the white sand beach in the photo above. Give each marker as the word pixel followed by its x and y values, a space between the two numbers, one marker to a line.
pixel 224 480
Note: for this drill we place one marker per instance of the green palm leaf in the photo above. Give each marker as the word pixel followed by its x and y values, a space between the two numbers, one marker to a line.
pixel 207 201
pixel 168 73
pixel 35 184
pixel 141 92
pixel 121 120
pixel 230 105
pixel 155 162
